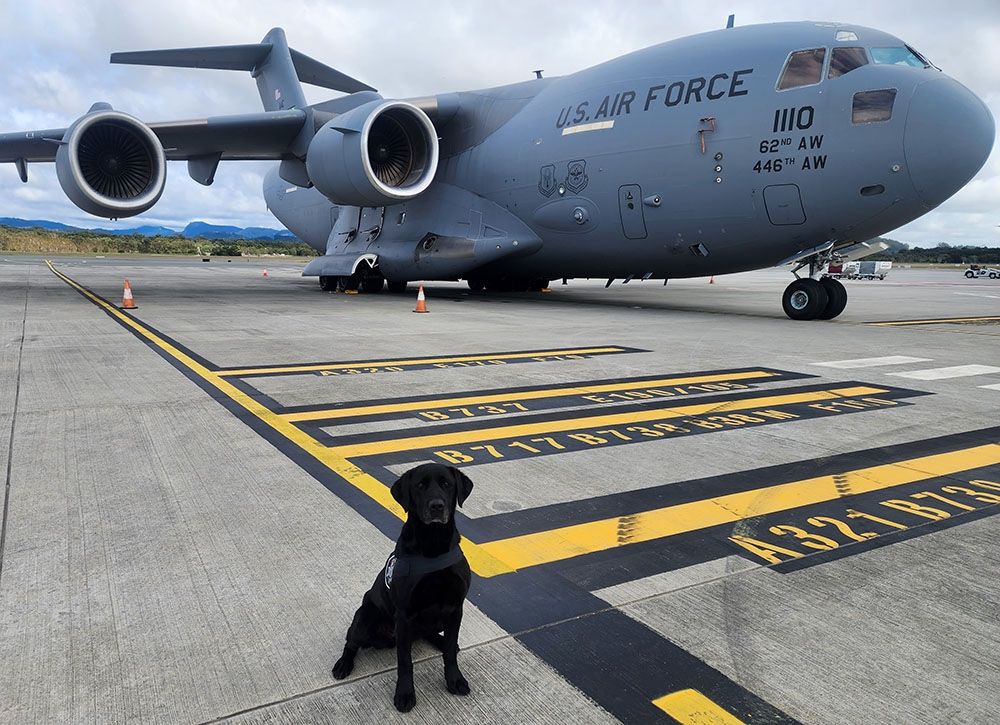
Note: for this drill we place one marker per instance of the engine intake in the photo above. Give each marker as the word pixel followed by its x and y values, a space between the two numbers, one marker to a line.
pixel 111 165
pixel 380 153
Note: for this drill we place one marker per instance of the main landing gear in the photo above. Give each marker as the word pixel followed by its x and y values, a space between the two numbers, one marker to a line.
pixel 369 282
pixel 507 284
pixel 809 298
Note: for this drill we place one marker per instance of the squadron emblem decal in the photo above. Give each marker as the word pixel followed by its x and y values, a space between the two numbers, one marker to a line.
pixel 547 180
pixel 576 176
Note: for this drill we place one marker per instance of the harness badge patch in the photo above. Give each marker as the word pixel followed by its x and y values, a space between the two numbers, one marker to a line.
pixel 389 566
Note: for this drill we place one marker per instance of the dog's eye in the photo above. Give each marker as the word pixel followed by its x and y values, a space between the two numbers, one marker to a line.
pixel 445 484
pixel 422 485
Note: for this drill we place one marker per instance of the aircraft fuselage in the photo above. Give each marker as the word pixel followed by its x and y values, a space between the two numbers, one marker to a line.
pixel 688 159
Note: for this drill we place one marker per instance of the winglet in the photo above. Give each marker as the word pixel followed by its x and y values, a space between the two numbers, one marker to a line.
pixel 731 21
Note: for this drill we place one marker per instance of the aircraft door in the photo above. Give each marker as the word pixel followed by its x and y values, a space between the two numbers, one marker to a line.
pixel 784 205
pixel 630 208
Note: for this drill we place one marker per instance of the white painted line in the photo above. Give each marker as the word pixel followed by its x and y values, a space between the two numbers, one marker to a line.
pixel 596 126
pixel 995 386
pixel 978 294
pixel 956 371
pixel 872 362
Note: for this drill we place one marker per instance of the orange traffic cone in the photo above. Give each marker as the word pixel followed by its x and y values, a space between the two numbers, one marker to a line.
pixel 265 275
pixel 711 280
pixel 128 302
pixel 421 301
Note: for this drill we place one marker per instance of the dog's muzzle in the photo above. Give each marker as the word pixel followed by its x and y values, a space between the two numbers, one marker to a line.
pixel 437 512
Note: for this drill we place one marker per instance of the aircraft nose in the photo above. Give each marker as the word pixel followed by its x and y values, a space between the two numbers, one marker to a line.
pixel 948 136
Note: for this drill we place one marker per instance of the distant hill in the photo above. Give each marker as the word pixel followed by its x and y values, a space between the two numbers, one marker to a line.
pixel 194 230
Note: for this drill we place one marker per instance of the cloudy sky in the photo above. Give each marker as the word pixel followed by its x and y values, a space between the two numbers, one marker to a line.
pixel 54 64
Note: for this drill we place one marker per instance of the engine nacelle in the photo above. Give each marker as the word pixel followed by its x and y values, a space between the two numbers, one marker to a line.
pixel 380 153
pixel 111 164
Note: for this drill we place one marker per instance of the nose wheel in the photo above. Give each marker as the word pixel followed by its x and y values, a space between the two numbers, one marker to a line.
pixel 810 299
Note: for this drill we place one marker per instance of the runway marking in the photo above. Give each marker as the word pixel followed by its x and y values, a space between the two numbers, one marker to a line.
pixel 871 362
pixel 955 371
pixel 994 386
pixel 940 321
pixel 566 542
pixel 580 389
pixel 419 442
pixel 479 360
pixel 483 564
pixel 690 707
pixel 607 673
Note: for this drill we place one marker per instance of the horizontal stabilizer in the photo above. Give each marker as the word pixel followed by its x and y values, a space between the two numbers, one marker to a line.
pixel 248 57
pixel 220 57
pixel 311 71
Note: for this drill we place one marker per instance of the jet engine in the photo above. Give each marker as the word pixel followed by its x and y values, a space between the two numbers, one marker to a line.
pixel 383 152
pixel 110 164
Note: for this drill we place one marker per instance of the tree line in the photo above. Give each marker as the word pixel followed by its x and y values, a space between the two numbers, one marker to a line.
pixel 941 254
pixel 43 241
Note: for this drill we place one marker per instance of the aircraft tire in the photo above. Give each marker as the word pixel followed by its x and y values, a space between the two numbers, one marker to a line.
pixel 328 284
pixel 372 284
pixel 351 283
pixel 836 301
pixel 396 286
pixel 804 299
pixel 476 284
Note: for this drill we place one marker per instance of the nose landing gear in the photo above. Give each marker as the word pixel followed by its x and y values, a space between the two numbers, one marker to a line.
pixel 814 297
pixel 809 299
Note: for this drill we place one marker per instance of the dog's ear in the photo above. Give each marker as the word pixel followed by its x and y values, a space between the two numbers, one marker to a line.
pixel 463 486
pixel 402 490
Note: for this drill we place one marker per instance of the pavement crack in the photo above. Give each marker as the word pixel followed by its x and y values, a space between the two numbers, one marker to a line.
pixel 13 425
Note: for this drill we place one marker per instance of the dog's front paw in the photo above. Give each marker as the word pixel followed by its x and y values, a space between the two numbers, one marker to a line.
pixel 404 699
pixel 343 667
pixel 458 685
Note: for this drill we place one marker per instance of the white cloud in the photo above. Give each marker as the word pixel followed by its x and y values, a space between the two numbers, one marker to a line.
pixel 53 65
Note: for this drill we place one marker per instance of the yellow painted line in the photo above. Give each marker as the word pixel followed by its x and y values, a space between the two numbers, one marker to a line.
pixel 584 127
pixel 690 707
pixel 567 424
pixel 482 563
pixel 570 541
pixel 943 320
pixel 405 362
pixel 332 413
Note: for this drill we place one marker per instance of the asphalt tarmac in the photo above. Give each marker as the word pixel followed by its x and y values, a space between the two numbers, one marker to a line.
pixel 686 508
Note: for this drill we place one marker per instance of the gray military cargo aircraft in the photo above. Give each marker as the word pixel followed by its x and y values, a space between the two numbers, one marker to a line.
pixel 721 152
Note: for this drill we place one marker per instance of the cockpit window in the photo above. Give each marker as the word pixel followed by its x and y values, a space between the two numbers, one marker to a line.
pixel 898 56
pixel 803 68
pixel 873 106
pixel 844 60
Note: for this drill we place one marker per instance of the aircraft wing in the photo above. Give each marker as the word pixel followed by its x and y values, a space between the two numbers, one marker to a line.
pixel 251 136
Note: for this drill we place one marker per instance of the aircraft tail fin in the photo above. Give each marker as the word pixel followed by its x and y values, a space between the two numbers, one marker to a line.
pixel 277 68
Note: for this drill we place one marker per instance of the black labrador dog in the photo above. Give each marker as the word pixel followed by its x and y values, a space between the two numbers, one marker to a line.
pixel 421 589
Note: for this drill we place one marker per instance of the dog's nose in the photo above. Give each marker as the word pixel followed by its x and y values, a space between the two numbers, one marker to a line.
pixel 436 506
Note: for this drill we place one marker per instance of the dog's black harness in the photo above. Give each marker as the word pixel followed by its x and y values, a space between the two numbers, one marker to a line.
pixel 401 573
